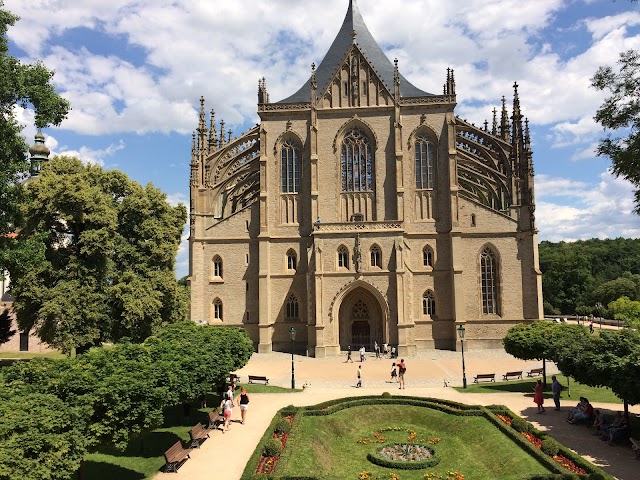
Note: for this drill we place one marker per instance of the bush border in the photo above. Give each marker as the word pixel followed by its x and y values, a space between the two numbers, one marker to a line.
pixel 383 462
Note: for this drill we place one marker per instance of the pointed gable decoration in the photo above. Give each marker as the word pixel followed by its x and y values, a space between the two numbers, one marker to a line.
pixel 354 34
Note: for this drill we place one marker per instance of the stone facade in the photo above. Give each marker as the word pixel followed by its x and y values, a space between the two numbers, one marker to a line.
pixel 363 209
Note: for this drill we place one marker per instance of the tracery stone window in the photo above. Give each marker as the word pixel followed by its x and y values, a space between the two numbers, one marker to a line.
pixel 489 280
pixel 425 162
pixel 429 304
pixel 217 309
pixel 360 310
pixel 292 260
pixel 290 157
pixel 217 267
pixel 357 162
pixel 292 308
pixel 376 256
pixel 343 257
pixel 427 257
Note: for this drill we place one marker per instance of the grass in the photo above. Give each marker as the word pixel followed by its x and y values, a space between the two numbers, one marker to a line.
pixel 576 390
pixel 30 355
pixel 258 388
pixel 326 446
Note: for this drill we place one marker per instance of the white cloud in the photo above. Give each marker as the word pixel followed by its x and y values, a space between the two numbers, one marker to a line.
pixel 87 154
pixel 603 210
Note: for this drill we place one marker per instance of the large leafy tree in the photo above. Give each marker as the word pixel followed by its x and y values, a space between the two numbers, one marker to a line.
pixel 620 117
pixel 94 259
pixel 21 85
pixel 6 322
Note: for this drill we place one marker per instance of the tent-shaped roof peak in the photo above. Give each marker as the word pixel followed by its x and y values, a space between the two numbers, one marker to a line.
pixel 354 30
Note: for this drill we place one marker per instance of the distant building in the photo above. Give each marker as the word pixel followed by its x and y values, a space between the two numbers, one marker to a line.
pixel 427 220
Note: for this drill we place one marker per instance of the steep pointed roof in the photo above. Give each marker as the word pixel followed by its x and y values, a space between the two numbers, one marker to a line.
pixel 354 25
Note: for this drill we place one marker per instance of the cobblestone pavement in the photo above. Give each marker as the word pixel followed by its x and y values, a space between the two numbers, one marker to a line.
pixel 224 456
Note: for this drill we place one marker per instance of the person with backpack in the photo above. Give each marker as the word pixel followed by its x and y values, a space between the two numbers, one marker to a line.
pixel 402 369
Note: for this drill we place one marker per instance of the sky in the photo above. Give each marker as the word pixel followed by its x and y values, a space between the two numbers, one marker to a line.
pixel 134 70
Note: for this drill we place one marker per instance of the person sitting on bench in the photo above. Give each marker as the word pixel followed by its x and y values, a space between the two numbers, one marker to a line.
pixel 618 433
pixel 605 429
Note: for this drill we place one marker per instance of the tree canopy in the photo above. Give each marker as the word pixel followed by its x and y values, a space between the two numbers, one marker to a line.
pixel 94 260
pixel 21 85
pixel 619 115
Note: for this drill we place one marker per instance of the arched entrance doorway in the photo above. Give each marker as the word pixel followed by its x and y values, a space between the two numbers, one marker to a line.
pixel 361 320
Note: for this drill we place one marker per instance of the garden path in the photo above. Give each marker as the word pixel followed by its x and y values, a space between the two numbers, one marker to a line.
pixel 225 455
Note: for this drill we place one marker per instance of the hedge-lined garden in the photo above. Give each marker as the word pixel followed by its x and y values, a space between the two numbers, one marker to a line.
pixel 340 438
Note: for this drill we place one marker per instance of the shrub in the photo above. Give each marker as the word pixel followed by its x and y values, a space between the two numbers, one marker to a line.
pixel 520 425
pixel 386 394
pixel 550 446
pixel 283 426
pixel 272 447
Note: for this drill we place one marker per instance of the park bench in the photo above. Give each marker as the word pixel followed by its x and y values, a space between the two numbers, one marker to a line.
pixel 258 378
pixel 534 371
pixel 635 444
pixel 484 376
pixel 233 378
pixel 176 456
pixel 198 435
pixel 214 420
pixel 507 375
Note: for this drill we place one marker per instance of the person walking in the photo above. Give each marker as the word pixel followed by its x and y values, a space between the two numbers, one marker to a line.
pixel 362 352
pixel 376 348
pixel 359 384
pixel 402 368
pixel 244 404
pixel 349 355
pixel 556 389
pixel 227 410
pixel 394 373
pixel 538 396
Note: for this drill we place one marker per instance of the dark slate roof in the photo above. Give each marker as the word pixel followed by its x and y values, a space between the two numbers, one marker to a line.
pixel 353 22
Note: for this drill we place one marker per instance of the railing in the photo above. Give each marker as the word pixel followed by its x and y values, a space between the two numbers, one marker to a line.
pixel 356 226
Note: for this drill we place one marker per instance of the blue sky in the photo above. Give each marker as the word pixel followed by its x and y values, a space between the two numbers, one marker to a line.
pixel 134 70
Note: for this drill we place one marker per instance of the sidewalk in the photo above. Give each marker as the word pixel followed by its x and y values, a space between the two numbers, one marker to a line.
pixel 225 455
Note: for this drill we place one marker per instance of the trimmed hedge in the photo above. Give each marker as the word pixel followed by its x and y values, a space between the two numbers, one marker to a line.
pixel 283 426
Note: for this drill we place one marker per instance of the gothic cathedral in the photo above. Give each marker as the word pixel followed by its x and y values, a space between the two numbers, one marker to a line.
pixel 362 209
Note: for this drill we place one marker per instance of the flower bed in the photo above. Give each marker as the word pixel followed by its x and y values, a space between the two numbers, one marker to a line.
pixel 405 456
pixel 267 465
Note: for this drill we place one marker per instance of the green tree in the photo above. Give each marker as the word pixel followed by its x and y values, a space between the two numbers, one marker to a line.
pixel 94 260
pixel 41 437
pixel 6 323
pixel 619 115
pixel 23 85
pixel 627 311
pixel 614 289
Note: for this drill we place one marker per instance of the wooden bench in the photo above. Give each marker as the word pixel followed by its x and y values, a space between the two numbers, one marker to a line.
pixel 508 375
pixel 214 420
pixel 484 376
pixel 258 378
pixel 233 378
pixel 176 456
pixel 534 371
pixel 198 435
pixel 635 444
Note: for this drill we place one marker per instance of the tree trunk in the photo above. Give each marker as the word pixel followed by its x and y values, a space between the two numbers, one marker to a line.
pixel 544 373
pixel 626 411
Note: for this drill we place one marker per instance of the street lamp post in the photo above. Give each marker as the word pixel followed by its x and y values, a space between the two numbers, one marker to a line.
pixel 464 373
pixel 292 334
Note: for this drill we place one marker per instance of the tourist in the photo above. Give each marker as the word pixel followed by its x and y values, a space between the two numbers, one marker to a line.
pixel 349 355
pixel 393 352
pixel 619 432
pixel 538 396
pixel 227 410
pixel 402 368
pixel 362 352
pixel 394 373
pixel 605 429
pixel 599 423
pixel 359 384
pixel 244 404
pixel 229 393
pixel 556 389
pixel 376 348
pixel 385 349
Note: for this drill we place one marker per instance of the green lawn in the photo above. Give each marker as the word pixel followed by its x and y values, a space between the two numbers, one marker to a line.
pixel 326 446
pixel 258 388
pixel 29 355
pixel 574 392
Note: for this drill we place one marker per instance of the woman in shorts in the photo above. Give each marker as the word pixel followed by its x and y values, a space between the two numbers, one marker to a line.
pixel 244 404
pixel 227 410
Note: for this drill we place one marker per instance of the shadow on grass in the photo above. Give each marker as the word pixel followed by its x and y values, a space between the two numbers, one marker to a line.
pixel 93 470
pixel 149 445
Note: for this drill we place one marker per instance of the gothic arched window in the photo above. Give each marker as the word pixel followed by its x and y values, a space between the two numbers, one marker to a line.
pixel 343 257
pixel 217 267
pixel 425 162
pixel 217 309
pixel 427 257
pixel 357 162
pixel 376 256
pixel 290 157
pixel 292 308
pixel 292 260
pixel 489 279
pixel 429 304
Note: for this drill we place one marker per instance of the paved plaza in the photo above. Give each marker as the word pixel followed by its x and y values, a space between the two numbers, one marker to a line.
pixel 225 455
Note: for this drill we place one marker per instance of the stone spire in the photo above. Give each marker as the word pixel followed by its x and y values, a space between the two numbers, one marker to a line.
pixel 222 139
pixel 504 123
pixel 202 128
pixel 213 132
pixel 39 153
pixel 494 127
pixel 450 86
